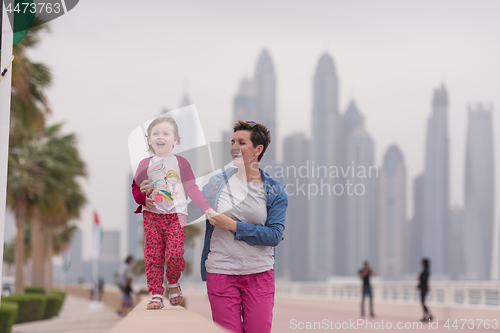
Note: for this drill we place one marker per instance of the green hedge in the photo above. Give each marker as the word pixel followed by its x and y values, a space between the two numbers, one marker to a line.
pixel 59 292
pixel 34 290
pixel 62 294
pixel 31 306
pixel 54 303
pixel 8 315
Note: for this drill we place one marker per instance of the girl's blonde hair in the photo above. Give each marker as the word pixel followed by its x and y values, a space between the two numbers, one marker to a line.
pixel 162 119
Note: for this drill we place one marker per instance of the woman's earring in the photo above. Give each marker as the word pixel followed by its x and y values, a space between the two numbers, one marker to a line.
pixel 250 160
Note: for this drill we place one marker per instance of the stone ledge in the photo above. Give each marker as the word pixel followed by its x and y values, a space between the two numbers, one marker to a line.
pixel 171 318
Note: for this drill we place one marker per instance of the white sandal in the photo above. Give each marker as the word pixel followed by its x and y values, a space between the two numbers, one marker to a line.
pixel 153 300
pixel 174 295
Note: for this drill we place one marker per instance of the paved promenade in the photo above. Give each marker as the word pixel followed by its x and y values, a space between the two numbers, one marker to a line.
pixel 290 317
pixel 78 315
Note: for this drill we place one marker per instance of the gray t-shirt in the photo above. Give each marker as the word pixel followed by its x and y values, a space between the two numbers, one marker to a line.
pixel 245 202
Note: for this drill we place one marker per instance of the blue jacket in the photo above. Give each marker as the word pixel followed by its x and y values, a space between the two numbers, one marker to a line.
pixel 270 234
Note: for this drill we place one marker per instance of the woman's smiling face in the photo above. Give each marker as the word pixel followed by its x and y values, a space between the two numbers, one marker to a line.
pixel 242 149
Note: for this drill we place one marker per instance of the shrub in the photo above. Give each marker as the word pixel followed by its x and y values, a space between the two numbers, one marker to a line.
pixel 54 302
pixel 31 306
pixel 62 295
pixel 8 314
pixel 34 290
pixel 59 292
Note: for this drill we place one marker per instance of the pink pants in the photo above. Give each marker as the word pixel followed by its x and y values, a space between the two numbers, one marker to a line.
pixel 242 303
pixel 163 239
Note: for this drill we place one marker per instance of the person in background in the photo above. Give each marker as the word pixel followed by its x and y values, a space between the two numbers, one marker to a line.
pixel 99 287
pixel 127 303
pixel 125 271
pixel 364 274
pixel 423 285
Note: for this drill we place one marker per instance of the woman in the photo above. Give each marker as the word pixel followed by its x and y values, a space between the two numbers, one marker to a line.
pixel 238 256
pixel 424 287
pixel 249 219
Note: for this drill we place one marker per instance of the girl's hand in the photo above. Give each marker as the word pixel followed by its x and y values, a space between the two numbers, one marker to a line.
pixel 210 212
pixel 146 185
pixel 150 202
pixel 223 222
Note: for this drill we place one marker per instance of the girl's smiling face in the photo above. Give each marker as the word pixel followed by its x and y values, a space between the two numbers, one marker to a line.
pixel 162 139
pixel 242 149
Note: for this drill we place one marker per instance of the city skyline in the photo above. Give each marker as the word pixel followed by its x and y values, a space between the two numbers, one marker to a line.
pixel 359 147
pixel 388 62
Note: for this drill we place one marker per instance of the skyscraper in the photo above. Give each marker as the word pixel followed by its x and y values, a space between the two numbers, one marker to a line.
pixel 416 225
pixel 185 100
pixel 392 213
pixel 326 126
pixel 479 193
pixel 455 249
pixel 110 246
pixel 362 204
pixel 265 98
pixel 256 100
pixel 243 101
pixel 436 182
pixel 351 120
pixel 291 254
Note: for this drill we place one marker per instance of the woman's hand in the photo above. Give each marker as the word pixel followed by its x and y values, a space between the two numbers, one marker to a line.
pixel 146 185
pixel 222 221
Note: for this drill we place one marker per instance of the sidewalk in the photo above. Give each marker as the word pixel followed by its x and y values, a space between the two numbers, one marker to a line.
pixel 292 315
pixel 78 315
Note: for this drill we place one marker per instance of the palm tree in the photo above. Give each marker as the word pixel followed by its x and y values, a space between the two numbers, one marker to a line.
pixel 29 107
pixel 57 231
pixel 29 104
pixel 61 199
pixel 23 186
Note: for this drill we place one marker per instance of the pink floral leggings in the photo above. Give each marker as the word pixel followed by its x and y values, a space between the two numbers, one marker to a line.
pixel 163 239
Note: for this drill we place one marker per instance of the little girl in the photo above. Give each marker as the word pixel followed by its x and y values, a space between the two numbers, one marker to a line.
pixel 164 208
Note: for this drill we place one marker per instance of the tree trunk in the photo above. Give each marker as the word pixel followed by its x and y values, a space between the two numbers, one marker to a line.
pixel 20 211
pixel 37 250
pixel 50 248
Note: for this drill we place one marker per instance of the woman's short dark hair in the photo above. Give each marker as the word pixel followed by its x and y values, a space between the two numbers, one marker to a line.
pixel 259 134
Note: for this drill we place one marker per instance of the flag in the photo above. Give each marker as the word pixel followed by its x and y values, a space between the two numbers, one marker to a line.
pixel 66 258
pixel 97 237
pixel 22 18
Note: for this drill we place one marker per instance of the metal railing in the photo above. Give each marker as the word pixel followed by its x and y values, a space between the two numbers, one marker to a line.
pixel 458 293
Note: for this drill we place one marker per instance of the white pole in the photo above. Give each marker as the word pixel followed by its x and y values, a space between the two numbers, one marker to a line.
pixel 5 91
pixel 95 305
pixel 95 279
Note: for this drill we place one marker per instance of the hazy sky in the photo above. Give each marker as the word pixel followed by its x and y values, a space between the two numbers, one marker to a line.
pixel 118 63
